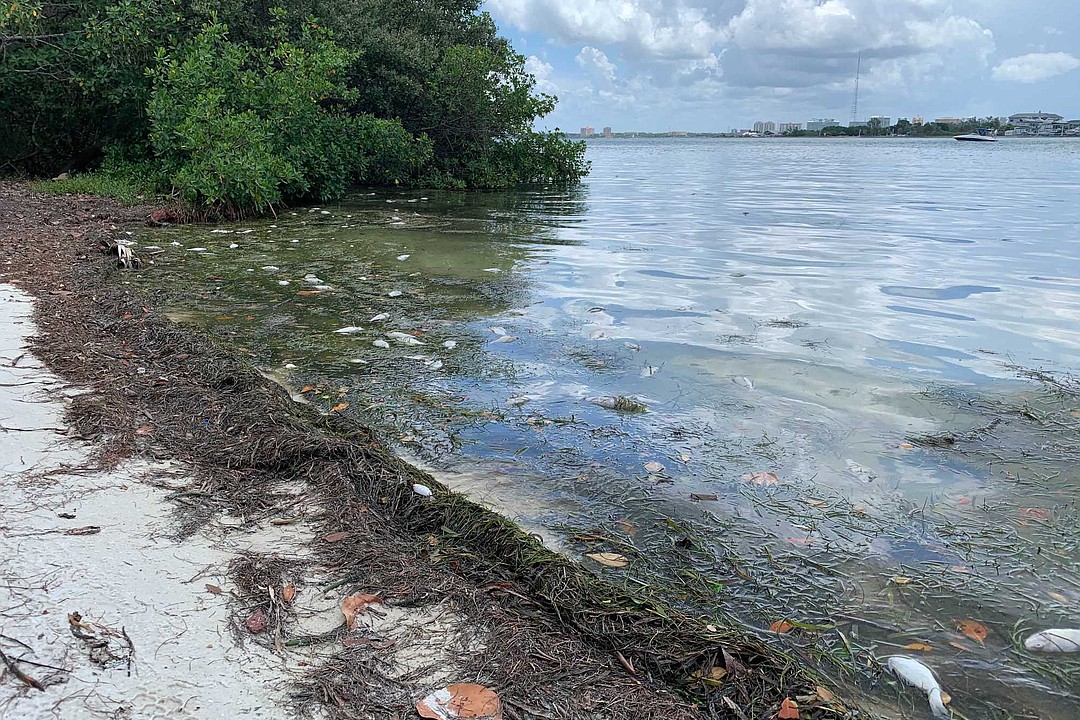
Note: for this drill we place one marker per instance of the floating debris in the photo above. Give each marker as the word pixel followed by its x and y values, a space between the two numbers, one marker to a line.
pixel 518 401
pixel 860 471
pixel 620 403
pixel 654 468
pixel 649 370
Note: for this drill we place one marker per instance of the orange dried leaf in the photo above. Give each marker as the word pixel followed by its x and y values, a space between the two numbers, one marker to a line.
pixel 355 605
pixel 825 694
pixel 781 626
pixel 338 536
pixel 288 593
pixel 307 388
pixel 339 407
pixel 1036 513
pixel 920 646
pixel 906 446
pixel 761 478
pixel 609 559
pixel 461 700
pixel 789 710
pixel 213 589
pixel 145 430
pixel 972 629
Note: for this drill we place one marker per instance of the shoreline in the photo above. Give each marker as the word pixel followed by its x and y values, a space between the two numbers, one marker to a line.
pixel 490 604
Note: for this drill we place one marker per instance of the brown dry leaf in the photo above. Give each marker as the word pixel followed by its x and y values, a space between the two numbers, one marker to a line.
pixel 257 622
pixel 1036 513
pixel 288 593
pixel 654 467
pixel 946 698
pixel 959 646
pixel 789 710
pixel 1058 596
pixel 213 589
pixel 307 388
pixel 309 293
pixel 339 407
pixel 703 497
pixel 762 478
pixel 713 677
pixel 920 646
pixel 338 536
pixel 859 510
pixel 461 700
pixel 825 694
pixel 781 626
pixel 85 530
pixel 609 559
pixel 816 503
pixel 145 430
pixel 972 629
pixel 355 605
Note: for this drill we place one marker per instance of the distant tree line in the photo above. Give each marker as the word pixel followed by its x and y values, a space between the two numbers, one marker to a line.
pixel 906 128
pixel 239 105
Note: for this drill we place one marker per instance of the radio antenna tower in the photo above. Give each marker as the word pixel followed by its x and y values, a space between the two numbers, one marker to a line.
pixel 855 102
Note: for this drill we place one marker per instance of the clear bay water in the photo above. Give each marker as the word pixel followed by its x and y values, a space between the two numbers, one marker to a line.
pixel 829 336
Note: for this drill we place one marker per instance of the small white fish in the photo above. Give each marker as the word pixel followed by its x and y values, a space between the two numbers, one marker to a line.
pixel 244 231
pixel 381 344
pixel 324 287
pixel 497 330
pixel 744 381
pixel 197 249
pixel 223 232
pixel 1055 640
pixel 435 365
pixel 421 490
pixel 492 270
pixel 404 257
pixel 418 358
pixel 860 471
pixel 312 280
pixel 283 282
pixel 917 675
pixel 290 366
pixel 349 330
pixel 505 339
pixel 175 243
pixel 394 293
pixel 233 246
pixel 270 268
pixel 324 212
pixel 633 346
pixel 450 344
pixel 517 401
pixel 405 338
pixel 358 361
pixel 380 317
pixel 151 247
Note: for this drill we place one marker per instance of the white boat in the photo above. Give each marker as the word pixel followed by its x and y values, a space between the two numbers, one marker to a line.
pixel 981 135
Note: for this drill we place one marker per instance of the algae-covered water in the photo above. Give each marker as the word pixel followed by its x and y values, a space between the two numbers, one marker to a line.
pixel 835 343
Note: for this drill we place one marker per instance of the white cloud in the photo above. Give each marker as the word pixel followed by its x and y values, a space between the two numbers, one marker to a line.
pixel 596 64
pixel 1034 67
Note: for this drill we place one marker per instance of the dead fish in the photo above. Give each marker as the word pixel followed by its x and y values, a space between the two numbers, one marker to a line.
pixel 405 338
pixel 450 344
pixel 744 381
pixel 434 365
pixel 290 366
pixel 1055 640
pixel 381 344
pixel 917 675
pixel 505 339
pixel 497 330
pixel 860 471
pixel 380 317
pixel 649 370
pixel 403 258
pixel 620 403
pixel 418 358
pixel 221 232
pixel 423 490
pixel 633 346
pixel 197 249
pixel 492 270
pixel 270 268
pixel 517 401
pixel 283 282
pixel 312 280
pixel 349 330
pixel 394 293
pixel 233 246
pixel 324 287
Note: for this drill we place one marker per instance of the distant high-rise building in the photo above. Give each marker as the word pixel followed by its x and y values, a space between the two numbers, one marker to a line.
pixel 765 126
pixel 587 131
pixel 879 121
pixel 819 124
pixel 949 120
pixel 606 132
pixel 789 127
pixel 917 120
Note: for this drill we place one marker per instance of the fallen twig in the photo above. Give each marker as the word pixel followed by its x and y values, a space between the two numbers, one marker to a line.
pixel 19 673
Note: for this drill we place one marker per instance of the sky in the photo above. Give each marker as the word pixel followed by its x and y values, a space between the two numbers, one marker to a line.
pixel 714 65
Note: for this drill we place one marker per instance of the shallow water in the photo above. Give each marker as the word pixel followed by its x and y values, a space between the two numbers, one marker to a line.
pixel 796 307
